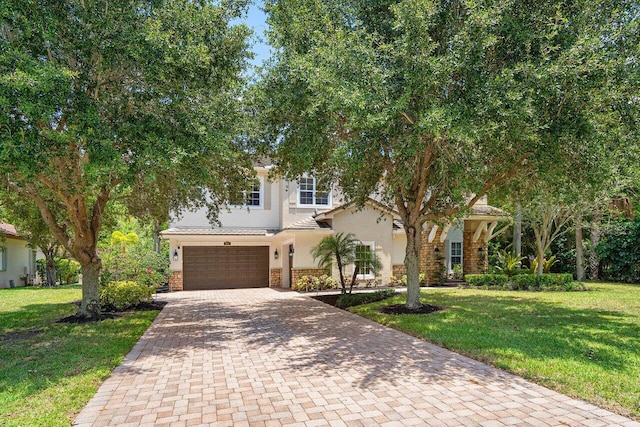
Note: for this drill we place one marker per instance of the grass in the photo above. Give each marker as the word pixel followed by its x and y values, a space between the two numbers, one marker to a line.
pixel 48 370
pixel 583 344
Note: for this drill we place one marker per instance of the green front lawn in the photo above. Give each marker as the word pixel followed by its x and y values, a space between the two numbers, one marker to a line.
pixel 48 370
pixel 583 344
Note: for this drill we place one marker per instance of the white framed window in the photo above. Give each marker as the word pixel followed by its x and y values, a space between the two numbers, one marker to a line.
pixel 252 198
pixel 455 254
pixel 364 252
pixel 3 258
pixel 310 193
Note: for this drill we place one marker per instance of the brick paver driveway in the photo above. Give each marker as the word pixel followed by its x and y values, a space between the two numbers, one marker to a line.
pixel 262 357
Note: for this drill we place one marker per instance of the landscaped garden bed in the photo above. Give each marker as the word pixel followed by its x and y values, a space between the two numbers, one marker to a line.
pixel 583 344
pixel 50 370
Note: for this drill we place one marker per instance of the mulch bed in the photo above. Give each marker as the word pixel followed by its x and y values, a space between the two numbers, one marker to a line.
pixel 144 306
pixel 403 309
pixel 331 299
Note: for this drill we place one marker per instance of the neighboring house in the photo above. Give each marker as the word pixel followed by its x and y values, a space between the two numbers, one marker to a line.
pixel 268 241
pixel 17 259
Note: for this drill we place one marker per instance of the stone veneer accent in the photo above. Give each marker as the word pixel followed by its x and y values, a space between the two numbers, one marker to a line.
pixel 297 273
pixel 428 262
pixel 473 260
pixel 275 281
pixel 398 270
pixel 175 281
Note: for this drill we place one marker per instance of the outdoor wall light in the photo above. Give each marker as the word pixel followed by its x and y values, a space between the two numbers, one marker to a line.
pixel 437 250
pixel 291 251
pixel 276 255
pixel 175 254
pixel 480 249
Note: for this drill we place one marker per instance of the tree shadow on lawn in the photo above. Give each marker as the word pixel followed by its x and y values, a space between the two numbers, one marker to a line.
pixel 539 329
pixel 43 353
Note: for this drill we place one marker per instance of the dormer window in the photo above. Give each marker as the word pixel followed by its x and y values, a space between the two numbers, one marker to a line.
pixel 310 193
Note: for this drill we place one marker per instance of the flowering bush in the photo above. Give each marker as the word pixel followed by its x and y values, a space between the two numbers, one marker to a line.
pixel 313 283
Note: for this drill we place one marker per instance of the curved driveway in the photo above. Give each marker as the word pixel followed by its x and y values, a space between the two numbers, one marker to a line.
pixel 261 357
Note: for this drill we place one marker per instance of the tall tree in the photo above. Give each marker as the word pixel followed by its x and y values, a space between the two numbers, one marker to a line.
pixel 430 105
pixel 101 98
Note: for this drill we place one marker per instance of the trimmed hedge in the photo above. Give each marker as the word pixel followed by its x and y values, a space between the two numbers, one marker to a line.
pixel 525 282
pixel 487 280
pixel 358 299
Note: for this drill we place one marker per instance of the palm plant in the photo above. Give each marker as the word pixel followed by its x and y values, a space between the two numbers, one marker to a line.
pixel 340 248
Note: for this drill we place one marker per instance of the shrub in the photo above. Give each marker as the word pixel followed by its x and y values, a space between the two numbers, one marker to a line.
pixel 327 282
pixel 138 264
pixel 545 282
pixel 352 300
pixel 119 296
pixel 618 251
pixel 67 270
pixel 487 281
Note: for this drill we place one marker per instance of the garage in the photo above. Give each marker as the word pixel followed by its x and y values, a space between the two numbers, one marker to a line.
pixel 225 267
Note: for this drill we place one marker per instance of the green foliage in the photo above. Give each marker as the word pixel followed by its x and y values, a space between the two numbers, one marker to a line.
pixel 486 281
pixel 545 282
pixel 619 254
pixel 353 300
pixel 377 96
pixel 128 100
pixel 524 282
pixel 313 283
pixel 508 263
pixel 139 264
pixel 120 296
pixel 546 264
pixel 67 270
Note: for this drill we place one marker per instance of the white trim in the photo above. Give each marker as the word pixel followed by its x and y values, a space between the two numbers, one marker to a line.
pixel 314 191
pixel 449 255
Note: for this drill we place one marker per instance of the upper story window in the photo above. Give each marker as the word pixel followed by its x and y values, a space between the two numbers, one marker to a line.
pixel 251 198
pixel 311 193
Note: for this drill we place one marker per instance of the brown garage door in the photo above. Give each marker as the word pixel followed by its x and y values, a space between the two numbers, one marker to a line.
pixel 215 267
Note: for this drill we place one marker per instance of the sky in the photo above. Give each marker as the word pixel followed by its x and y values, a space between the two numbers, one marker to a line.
pixel 256 19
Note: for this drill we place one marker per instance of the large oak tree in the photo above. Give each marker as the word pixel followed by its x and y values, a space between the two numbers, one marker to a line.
pixel 104 99
pixel 431 104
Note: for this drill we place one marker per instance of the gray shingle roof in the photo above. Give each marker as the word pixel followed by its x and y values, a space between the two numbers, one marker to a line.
pixel 184 231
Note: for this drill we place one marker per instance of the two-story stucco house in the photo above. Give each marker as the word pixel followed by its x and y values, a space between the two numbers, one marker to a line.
pixel 268 241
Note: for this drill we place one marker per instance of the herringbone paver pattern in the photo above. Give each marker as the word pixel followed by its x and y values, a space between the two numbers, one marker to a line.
pixel 260 357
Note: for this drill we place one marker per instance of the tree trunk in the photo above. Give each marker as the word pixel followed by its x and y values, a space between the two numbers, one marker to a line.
pixel 594 259
pixel 579 249
pixel 156 237
pixel 540 251
pixel 517 232
pixel 343 285
pixel 411 259
pixel 90 307
pixel 50 263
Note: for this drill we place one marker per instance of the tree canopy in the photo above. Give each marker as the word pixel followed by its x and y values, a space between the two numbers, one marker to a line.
pixel 430 105
pixel 118 99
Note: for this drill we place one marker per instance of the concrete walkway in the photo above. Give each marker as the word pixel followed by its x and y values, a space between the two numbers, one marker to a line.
pixel 261 357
